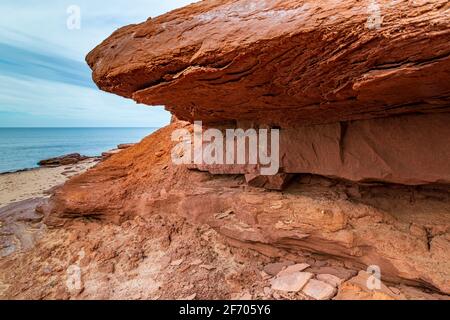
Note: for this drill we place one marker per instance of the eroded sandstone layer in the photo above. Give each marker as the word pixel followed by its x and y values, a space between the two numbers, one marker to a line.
pixel 285 63
pixel 407 149
pixel 310 68
pixel 359 89
pixel 404 230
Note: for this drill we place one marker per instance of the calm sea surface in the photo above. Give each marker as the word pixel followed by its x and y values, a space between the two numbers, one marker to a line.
pixel 22 148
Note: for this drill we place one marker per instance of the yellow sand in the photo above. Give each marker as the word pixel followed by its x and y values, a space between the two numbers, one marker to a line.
pixel 20 186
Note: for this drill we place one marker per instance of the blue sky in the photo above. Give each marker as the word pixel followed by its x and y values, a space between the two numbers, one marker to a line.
pixel 44 81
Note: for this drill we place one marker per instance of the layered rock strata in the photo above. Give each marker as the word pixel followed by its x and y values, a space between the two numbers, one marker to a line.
pixel 407 149
pixel 360 91
pixel 403 230
pixel 284 63
pixel 296 64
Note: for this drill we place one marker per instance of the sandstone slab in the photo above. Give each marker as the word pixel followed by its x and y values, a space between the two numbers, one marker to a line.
pixel 292 282
pixel 275 268
pixel 319 290
pixel 330 279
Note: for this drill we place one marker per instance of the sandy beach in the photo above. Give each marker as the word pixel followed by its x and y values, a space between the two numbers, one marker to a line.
pixel 34 183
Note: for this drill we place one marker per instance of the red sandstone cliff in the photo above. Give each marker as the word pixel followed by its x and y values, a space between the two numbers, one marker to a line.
pixel 284 62
pixel 297 63
pixel 362 102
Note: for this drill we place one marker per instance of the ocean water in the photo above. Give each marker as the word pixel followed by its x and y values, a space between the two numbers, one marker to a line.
pixel 22 148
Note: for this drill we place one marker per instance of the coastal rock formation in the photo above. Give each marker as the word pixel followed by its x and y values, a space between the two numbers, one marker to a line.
pixel 360 91
pixel 20 226
pixel 407 149
pixel 125 145
pixel 403 230
pixel 310 68
pixel 284 63
pixel 72 158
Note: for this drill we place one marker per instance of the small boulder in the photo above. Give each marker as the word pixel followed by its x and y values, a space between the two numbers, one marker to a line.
pixel 330 279
pixel 67 159
pixel 274 268
pixel 319 290
pixel 292 282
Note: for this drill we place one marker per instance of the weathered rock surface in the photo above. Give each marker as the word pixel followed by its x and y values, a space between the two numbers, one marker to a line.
pixel 294 64
pixel 342 91
pixel 319 290
pixel 275 182
pixel 299 267
pixel 284 63
pixel 358 288
pixel 109 153
pixel 403 230
pixel 291 282
pixel 72 158
pixel 330 279
pixel 275 268
pixel 407 149
pixel 125 145
pixel 20 226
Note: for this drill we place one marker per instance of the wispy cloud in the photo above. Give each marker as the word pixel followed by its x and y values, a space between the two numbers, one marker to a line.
pixel 18 62
pixel 44 80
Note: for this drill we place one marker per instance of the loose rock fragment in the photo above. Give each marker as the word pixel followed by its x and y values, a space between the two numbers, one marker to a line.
pixel 292 282
pixel 330 279
pixel 274 268
pixel 319 290
pixel 294 268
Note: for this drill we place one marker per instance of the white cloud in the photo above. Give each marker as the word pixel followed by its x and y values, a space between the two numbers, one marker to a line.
pixel 40 26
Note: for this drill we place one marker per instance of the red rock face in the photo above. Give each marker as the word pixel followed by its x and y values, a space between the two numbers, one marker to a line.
pixel 404 230
pixel 294 64
pixel 286 63
pixel 341 79
pixel 408 149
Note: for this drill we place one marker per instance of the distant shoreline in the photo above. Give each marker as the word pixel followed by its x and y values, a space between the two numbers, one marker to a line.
pixel 38 182
pixel 22 148
pixel 98 158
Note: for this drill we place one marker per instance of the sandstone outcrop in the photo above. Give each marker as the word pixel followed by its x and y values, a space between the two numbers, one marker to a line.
pixel 284 63
pixel 360 91
pixel 404 230
pixel 310 68
pixel 406 149
pixel 125 145
pixel 72 158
